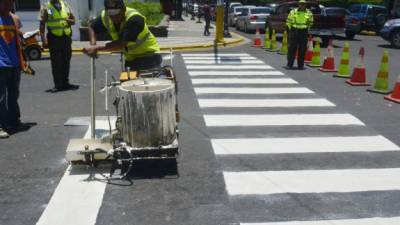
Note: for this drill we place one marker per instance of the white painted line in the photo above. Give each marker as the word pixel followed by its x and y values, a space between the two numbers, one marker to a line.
pixel 222 62
pixel 264 103
pixel 302 145
pixel 244 81
pixel 215 55
pixel 218 57
pixel 76 200
pixel 364 221
pixel 281 120
pixel 229 67
pixel 293 90
pixel 234 73
pixel 311 181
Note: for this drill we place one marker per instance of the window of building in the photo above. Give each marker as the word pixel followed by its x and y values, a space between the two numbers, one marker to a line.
pixel 27 5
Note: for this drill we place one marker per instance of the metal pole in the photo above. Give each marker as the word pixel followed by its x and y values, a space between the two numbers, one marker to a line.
pixel 226 25
pixel 92 98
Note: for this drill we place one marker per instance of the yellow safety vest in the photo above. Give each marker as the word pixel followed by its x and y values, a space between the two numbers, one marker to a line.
pixel 145 44
pixel 57 20
pixel 300 19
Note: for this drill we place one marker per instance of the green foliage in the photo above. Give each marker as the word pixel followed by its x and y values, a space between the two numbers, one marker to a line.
pixel 152 11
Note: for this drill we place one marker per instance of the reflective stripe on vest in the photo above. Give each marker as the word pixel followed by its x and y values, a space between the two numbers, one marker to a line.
pixel 57 20
pixel 145 44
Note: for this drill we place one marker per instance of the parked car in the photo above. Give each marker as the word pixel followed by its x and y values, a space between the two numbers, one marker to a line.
pixel 325 25
pixel 252 18
pixel 391 32
pixel 234 12
pixel 366 17
pixel 350 25
pixel 234 4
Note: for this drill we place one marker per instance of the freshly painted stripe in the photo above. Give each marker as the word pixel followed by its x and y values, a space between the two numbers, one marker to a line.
pixel 222 62
pixel 311 181
pixel 234 73
pixel 215 55
pixel 294 90
pixel 229 67
pixel 76 199
pixel 263 103
pixel 244 81
pixel 302 145
pixel 281 120
pixel 364 221
pixel 218 57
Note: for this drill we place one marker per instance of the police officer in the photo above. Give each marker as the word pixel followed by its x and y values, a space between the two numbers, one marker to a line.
pixel 129 33
pixel 299 21
pixel 58 17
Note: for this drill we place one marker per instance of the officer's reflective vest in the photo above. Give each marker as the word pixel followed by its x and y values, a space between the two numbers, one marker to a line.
pixel 300 19
pixel 57 20
pixel 145 44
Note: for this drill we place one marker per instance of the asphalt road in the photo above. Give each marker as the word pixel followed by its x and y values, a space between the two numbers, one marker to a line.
pixel 214 189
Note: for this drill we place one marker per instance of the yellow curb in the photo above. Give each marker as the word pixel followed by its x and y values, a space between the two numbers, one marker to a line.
pixel 369 33
pixel 193 47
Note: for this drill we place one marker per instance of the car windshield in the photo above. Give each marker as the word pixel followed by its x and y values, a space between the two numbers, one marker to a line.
pixel 355 9
pixel 336 12
pixel 260 11
pixel 239 9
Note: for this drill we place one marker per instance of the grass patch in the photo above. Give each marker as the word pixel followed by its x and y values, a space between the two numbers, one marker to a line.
pixel 152 11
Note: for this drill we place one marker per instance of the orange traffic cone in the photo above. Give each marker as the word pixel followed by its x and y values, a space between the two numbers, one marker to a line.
pixel 310 50
pixel 358 77
pixel 395 96
pixel 329 61
pixel 257 39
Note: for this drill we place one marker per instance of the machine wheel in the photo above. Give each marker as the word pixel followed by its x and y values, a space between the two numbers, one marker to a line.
pixel 350 35
pixel 33 53
pixel 395 39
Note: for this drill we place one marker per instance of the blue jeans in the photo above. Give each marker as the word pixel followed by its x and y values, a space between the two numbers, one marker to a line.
pixel 9 93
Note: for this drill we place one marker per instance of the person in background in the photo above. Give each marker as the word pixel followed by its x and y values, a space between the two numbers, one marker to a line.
pixel 11 63
pixel 57 16
pixel 207 18
pixel 299 22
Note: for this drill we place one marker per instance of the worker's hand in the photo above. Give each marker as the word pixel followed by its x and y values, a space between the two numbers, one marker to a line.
pixel 45 44
pixel 71 21
pixel 91 51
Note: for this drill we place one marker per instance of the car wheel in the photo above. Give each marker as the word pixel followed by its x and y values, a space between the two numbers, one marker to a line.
pixel 33 53
pixel 395 40
pixel 350 35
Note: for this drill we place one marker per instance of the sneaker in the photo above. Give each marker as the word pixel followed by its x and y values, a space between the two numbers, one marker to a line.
pixel 3 134
pixel 54 90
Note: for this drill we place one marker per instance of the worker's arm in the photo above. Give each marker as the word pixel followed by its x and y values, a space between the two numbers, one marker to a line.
pixel 289 20
pixel 71 18
pixel 42 27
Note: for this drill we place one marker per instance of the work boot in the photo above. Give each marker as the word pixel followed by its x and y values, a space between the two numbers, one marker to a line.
pixel 3 134
pixel 71 87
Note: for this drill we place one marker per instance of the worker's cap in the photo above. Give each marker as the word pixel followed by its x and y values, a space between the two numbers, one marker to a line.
pixel 113 7
pixel 302 2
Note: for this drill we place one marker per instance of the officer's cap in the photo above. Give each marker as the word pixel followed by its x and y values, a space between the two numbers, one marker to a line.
pixel 302 1
pixel 114 4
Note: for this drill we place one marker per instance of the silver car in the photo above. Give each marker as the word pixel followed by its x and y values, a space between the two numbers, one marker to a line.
pixel 234 12
pixel 252 18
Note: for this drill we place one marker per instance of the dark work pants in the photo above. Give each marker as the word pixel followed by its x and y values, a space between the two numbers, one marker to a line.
pixel 9 92
pixel 297 40
pixel 145 62
pixel 207 26
pixel 60 56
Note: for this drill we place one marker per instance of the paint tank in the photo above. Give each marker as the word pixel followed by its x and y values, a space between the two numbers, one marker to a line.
pixel 147 109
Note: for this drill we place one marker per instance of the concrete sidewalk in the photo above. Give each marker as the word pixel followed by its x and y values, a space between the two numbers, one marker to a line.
pixel 184 36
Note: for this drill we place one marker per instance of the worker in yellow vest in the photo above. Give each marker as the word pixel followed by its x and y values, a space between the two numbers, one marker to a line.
pixel 129 33
pixel 58 17
pixel 299 22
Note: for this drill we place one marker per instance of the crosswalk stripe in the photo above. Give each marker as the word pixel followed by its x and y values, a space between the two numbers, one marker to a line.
pixel 215 55
pixel 294 90
pixel 311 181
pixel 244 81
pixel 218 57
pixel 76 199
pixel 257 103
pixel 302 145
pixel 363 221
pixel 229 67
pixel 222 62
pixel 235 73
pixel 281 120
